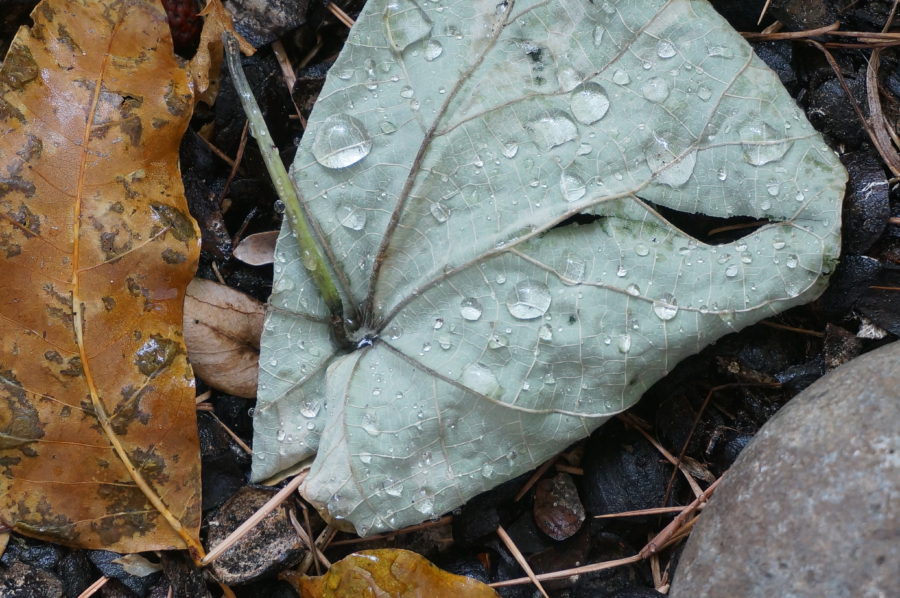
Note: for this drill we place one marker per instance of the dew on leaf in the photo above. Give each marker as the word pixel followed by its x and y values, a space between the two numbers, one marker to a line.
pixel 438 212
pixel 552 130
pixel 731 271
pixel 655 89
pixel 633 290
pixel 341 141
pixel 589 103
pixel 621 77
pixel 433 50
pixel 480 379
pixel 405 23
pixel 665 49
pixel 351 217
pixel 761 145
pixel 529 299
pixel 572 186
pixel 470 309
pixel 666 307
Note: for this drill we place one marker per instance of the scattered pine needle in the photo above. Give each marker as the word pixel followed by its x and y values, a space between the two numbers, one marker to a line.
pixel 538 473
pixel 310 544
pixel 772 324
pixel 642 512
pixel 517 554
pixel 94 587
pixel 237 439
pixel 340 14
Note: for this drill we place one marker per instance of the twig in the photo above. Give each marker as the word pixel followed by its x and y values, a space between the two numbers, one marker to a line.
pixel 340 14
pixel 237 439
pixel 752 35
pixel 879 125
pixel 695 487
pixel 310 544
pixel 762 13
pixel 94 587
pixel 771 324
pixel 511 546
pixel 642 512
pixel 244 528
pixel 569 572
pixel 888 153
pixel 664 537
pixel 540 471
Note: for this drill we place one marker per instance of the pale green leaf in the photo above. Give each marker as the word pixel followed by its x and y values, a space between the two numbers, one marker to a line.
pixel 450 140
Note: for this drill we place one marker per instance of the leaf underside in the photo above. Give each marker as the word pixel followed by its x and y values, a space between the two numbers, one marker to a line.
pixel 449 141
pixel 98 441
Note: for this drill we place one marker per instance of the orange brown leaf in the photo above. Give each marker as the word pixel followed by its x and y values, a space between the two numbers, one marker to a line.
pixel 388 572
pixel 206 65
pixel 98 442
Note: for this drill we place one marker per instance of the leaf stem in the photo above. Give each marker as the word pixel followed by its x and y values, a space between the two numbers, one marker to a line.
pixel 310 252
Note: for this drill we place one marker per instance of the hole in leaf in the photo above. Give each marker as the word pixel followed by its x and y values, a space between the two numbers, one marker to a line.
pixel 712 230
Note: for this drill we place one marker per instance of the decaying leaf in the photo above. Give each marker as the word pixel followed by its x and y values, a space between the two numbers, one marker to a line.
pixel 257 249
pixel 207 62
pixel 491 180
pixel 222 327
pixel 98 440
pixel 387 573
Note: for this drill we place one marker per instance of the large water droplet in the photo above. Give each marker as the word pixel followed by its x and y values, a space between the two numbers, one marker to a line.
pixel 668 167
pixel 552 130
pixel 666 307
pixel 574 268
pixel 424 503
pixel 761 144
pixel 309 409
pixel 624 343
pixel 510 150
pixel 572 186
pixel 655 89
pixel 621 77
pixel 480 379
pixel 438 212
pixel 569 79
pixel 370 425
pixel 598 36
pixel 732 271
pixel 392 487
pixel 341 141
pixel 433 50
pixel 470 309
pixel 405 23
pixel 529 299
pixel 589 103
pixel 633 290
pixel 351 217
pixel 665 49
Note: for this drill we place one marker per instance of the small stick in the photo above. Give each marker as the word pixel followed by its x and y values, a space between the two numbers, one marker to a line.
pixel 340 14
pixel 642 512
pixel 534 478
pixel 237 439
pixel 244 528
pixel 520 559
pixel 662 538
pixel 310 544
pixel 771 324
pixel 94 587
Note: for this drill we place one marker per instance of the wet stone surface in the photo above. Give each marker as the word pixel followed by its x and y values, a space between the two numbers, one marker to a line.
pixel 19 580
pixel 808 508
pixel 558 511
pixel 272 545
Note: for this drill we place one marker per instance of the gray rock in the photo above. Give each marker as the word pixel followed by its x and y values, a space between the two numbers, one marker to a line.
pixel 263 21
pixel 269 547
pixel 810 508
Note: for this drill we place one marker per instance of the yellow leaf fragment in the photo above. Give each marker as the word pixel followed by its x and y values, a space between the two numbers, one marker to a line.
pixel 388 573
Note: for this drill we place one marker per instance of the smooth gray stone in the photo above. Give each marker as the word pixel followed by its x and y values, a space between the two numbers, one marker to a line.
pixel 810 507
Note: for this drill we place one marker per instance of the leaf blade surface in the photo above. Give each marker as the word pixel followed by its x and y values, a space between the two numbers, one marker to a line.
pixel 447 144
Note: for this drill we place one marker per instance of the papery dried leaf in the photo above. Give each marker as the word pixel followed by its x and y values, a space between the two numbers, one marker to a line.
pixel 98 441
pixel 387 573
pixel 207 62
pixel 257 249
pixel 222 327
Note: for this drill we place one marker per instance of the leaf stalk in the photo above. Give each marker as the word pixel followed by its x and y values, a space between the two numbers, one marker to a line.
pixel 310 252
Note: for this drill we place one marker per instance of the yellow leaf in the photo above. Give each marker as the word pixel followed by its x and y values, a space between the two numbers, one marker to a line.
pixel 388 573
